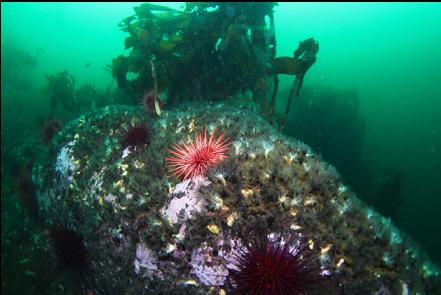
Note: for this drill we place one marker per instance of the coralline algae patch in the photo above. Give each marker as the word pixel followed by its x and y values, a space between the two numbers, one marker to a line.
pixel 150 233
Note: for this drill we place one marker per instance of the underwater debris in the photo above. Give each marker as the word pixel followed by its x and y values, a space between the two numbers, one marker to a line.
pixel 196 157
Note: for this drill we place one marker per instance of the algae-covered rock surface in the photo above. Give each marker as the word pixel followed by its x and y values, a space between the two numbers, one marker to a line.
pixel 148 232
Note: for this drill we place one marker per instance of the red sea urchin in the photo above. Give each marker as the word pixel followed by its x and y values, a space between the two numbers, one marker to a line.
pixel 136 136
pixel 196 157
pixel 274 265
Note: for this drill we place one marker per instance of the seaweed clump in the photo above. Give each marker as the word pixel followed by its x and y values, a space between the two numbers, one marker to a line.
pixel 209 50
pixel 61 87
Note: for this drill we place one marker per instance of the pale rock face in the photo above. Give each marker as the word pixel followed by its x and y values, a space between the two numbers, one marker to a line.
pixel 126 152
pixel 230 256
pixel 145 260
pixel 213 270
pixel 185 197
pixel 210 270
pixel 65 166
pixel 177 253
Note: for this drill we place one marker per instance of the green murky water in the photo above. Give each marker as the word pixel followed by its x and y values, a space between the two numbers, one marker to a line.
pixel 370 105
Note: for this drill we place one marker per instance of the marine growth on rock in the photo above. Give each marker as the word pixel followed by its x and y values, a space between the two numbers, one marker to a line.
pixel 196 233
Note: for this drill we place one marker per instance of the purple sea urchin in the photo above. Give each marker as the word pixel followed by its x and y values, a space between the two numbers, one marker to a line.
pixel 273 265
pixel 69 248
pixel 136 136
pixel 148 100
pixel 49 129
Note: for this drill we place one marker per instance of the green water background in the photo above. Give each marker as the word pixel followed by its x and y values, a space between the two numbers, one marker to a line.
pixel 389 52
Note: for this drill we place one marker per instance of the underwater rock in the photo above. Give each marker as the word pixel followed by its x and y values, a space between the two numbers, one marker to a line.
pixel 187 199
pixel 124 205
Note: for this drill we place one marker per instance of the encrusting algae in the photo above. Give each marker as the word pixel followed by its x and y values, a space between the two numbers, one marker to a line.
pixel 199 235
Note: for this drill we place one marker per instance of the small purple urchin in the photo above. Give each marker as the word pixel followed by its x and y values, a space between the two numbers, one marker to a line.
pixel 49 129
pixel 148 99
pixel 69 249
pixel 272 265
pixel 136 136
